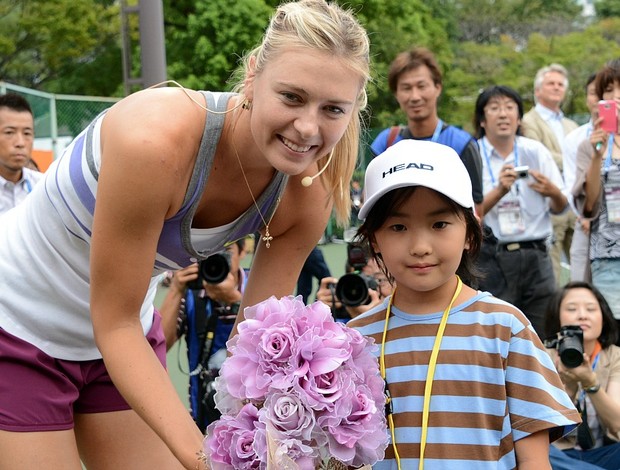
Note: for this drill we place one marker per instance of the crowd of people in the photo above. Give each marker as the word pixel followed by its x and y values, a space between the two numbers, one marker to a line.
pixel 457 258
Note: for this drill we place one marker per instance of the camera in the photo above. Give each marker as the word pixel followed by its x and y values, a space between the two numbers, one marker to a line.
pixel 522 171
pixel 352 288
pixel 212 270
pixel 569 344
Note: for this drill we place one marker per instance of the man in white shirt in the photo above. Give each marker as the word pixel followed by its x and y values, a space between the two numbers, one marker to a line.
pixel 522 187
pixel 579 248
pixel 16 140
pixel 547 124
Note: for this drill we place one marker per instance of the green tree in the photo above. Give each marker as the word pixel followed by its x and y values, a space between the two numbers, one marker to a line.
pixel 486 21
pixel 43 42
pixel 607 8
pixel 581 52
pixel 395 26
pixel 206 38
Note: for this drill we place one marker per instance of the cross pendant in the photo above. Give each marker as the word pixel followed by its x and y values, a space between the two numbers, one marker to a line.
pixel 267 239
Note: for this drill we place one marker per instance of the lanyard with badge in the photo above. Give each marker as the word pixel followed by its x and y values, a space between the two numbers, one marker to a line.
pixel 509 213
pixel 612 191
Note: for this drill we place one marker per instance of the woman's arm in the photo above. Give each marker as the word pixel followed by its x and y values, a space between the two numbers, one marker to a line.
pixel 607 404
pixel 593 174
pixel 146 163
pixel 605 401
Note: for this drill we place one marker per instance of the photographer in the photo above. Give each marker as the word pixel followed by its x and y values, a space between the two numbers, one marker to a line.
pixel 204 314
pixel 594 385
pixel 358 262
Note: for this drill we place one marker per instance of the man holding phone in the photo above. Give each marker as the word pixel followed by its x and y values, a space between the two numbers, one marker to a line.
pixel 522 187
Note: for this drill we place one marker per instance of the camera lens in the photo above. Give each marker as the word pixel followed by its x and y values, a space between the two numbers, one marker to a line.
pixel 212 270
pixel 570 347
pixel 571 358
pixel 215 268
pixel 352 289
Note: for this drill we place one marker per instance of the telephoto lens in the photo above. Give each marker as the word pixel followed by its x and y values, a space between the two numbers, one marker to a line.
pixel 570 346
pixel 352 289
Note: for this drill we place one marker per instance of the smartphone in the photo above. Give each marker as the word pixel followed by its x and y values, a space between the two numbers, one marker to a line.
pixel 607 109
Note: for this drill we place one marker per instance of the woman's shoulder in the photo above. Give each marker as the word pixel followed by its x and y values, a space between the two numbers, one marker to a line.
pixel 163 109
pixel 613 352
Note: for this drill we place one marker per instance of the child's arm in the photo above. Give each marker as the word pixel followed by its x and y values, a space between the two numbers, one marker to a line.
pixel 533 452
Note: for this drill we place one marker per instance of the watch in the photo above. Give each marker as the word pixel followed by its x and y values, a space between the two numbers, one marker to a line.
pixel 593 389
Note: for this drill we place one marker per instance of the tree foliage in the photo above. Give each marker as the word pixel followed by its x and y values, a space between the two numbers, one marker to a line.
pixel 73 46
pixel 206 38
pixel 607 8
pixel 41 41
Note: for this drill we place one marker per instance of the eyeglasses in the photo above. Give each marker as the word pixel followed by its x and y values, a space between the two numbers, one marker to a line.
pixel 497 108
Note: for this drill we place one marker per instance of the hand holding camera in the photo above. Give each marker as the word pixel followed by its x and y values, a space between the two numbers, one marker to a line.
pixel 574 366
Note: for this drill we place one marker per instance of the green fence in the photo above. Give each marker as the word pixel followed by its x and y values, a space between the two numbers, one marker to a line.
pixel 58 118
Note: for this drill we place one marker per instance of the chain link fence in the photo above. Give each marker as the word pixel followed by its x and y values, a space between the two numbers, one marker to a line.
pixel 58 118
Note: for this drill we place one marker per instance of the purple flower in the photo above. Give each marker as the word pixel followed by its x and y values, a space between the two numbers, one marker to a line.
pixel 289 416
pixel 230 441
pixel 297 389
pixel 361 437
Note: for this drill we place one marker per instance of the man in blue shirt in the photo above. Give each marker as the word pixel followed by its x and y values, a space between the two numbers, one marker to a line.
pixel 416 82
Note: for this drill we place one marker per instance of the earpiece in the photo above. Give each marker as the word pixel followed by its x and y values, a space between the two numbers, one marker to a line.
pixel 307 180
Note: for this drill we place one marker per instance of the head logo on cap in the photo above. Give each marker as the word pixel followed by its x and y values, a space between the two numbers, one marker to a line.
pixel 413 162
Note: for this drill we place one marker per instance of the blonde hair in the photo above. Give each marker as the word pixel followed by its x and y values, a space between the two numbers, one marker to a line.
pixel 322 26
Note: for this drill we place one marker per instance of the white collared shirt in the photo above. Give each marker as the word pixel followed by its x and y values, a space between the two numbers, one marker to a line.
pixel 553 119
pixel 11 194
pixel 569 158
pixel 535 207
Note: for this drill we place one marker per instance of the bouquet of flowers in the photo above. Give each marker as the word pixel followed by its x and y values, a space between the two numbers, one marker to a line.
pixel 299 391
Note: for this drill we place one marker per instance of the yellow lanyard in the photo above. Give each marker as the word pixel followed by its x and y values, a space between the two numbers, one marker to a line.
pixel 429 375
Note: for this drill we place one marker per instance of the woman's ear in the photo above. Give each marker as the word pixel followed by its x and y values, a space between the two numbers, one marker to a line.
pixel 248 82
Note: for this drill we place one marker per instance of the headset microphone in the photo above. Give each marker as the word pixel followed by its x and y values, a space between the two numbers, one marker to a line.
pixel 307 180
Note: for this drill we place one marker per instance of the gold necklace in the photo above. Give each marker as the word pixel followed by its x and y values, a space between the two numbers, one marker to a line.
pixel 267 237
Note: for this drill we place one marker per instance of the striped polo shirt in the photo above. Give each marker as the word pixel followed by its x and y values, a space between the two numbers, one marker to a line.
pixel 494 384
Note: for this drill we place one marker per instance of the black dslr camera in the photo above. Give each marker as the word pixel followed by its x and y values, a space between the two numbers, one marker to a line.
pixel 569 344
pixel 352 288
pixel 212 270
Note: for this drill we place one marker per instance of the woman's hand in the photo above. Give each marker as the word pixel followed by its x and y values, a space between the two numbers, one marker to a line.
pixel 599 138
pixel 581 374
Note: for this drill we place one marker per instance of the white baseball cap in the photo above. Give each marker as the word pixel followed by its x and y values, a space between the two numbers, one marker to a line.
pixel 411 162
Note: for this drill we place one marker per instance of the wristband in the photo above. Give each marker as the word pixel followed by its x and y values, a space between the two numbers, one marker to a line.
pixel 593 389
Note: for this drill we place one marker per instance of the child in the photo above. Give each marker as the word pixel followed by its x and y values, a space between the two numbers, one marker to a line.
pixel 481 393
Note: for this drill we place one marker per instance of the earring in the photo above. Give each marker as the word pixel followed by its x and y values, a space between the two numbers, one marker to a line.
pixel 247 104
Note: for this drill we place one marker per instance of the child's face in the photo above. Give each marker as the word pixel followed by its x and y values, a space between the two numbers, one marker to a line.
pixel 422 242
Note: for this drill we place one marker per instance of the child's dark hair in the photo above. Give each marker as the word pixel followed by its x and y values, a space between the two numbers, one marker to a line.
pixel 609 332
pixel 394 199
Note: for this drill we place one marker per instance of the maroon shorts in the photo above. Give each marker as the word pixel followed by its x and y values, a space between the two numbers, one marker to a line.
pixel 40 393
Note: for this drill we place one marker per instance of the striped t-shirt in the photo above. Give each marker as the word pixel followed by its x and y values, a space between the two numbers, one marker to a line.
pixel 494 384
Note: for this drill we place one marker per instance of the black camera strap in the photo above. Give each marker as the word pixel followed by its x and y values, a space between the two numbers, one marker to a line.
pixel 585 439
